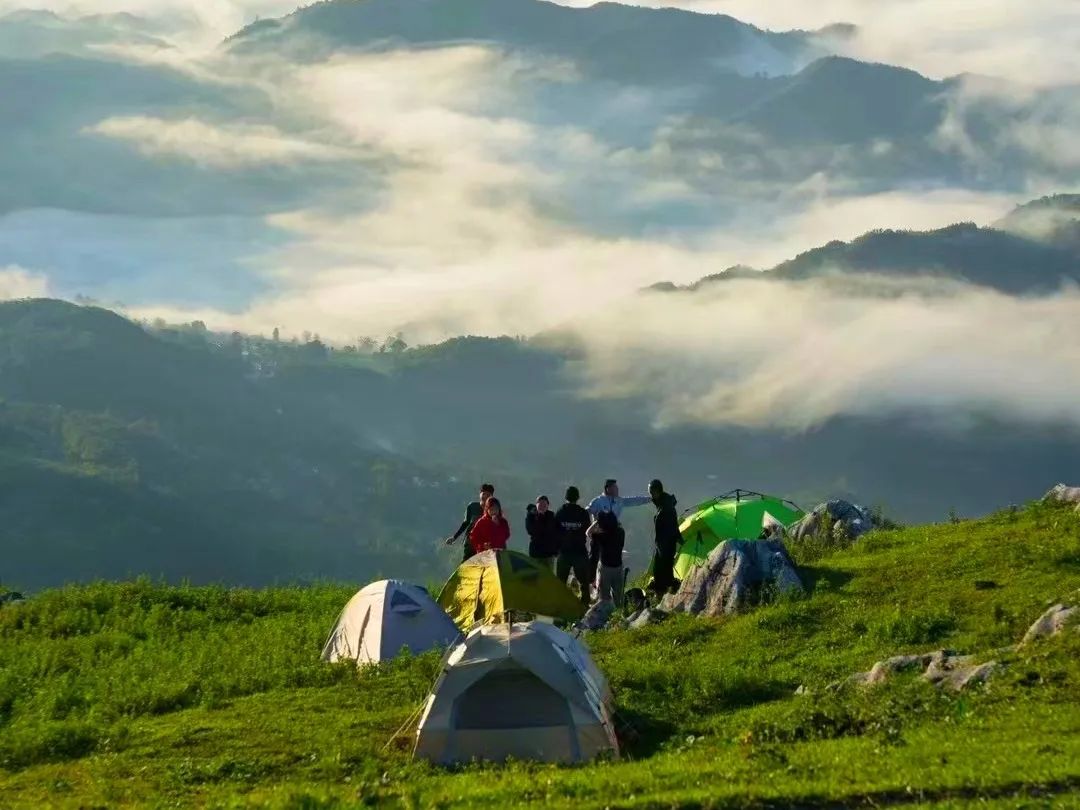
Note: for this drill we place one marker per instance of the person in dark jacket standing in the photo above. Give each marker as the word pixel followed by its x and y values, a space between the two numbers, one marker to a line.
pixel 543 531
pixel 668 538
pixel 473 512
pixel 573 520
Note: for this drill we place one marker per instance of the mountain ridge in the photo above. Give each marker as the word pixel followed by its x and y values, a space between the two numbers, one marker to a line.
pixel 1002 256
pixel 590 34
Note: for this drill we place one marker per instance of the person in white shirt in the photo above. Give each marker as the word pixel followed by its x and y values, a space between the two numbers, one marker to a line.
pixel 607 538
pixel 609 500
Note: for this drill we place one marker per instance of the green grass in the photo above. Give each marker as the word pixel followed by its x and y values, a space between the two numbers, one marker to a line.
pixel 135 694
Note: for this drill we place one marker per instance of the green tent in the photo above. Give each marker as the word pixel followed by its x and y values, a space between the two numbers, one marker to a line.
pixel 736 515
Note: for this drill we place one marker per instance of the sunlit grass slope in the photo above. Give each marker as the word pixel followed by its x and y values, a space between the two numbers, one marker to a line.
pixel 132 694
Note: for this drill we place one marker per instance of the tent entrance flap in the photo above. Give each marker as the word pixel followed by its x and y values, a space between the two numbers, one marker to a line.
pixel 523 699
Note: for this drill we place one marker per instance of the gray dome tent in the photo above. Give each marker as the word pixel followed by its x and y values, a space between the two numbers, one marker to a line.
pixel 385 617
pixel 524 690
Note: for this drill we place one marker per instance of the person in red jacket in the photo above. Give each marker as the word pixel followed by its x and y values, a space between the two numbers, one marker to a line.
pixel 490 531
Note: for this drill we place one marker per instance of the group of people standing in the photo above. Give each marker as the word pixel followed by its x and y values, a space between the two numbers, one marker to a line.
pixel 586 541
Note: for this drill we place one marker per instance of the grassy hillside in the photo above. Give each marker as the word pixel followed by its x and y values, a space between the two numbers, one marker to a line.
pixel 190 455
pixel 180 460
pixel 135 694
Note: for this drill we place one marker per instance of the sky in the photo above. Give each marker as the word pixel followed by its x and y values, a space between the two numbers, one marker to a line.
pixel 434 193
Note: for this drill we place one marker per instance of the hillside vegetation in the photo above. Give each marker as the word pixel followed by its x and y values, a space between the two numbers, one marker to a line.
pixel 138 694
pixel 273 462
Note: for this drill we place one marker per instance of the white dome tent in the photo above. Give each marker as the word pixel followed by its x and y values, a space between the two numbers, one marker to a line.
pixel 524 690
pixel 385 617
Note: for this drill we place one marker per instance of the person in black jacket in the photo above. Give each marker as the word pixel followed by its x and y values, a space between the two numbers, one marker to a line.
pixel 543 531
pixel 572 520
pixel 668 539
pixel 608 539
pixel 473 512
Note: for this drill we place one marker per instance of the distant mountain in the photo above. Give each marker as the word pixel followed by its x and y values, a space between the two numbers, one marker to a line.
pixel 1054 219
pixel 607 40
pixel 122 453
pixel 840 100
pixel 185 454
pixel 779 106
pixel 1033 250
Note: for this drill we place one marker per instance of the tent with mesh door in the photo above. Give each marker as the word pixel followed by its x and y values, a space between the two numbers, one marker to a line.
pixel 494 584
pixel 385 617
pixel 525 690
pixel 736 515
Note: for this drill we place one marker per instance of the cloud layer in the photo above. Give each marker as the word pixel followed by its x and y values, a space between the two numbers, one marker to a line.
pixel 224 147
pixel 17 282
pixel 762 353
pixel 489 213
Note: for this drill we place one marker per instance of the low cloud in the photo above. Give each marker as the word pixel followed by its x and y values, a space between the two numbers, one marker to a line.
pixel 235 146
pixel 1035 129
pixel 796 354
pixel 17 282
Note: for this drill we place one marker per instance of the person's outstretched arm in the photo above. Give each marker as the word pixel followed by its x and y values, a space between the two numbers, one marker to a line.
pixel 636 500
pixel 464 527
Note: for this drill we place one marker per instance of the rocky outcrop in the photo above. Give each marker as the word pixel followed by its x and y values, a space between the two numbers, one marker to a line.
pixel 1063 493
pixel 1053 621
pixel 733 572
pixel 943 668
pixel 833 517
pixel 950 670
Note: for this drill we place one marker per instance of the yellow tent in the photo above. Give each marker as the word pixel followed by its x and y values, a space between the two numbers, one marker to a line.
pixel 486 587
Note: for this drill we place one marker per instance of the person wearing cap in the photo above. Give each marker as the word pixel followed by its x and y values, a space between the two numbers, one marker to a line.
pixel 607 538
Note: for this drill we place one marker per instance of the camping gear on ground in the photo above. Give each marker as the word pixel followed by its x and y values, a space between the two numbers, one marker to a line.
pixel 635 599
pixel 739 514
pixel 487 587
pixel 643 618
pixel 833 516
pixel 729 577
pixel 598 616
pixel 525 690
pixel 385 617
